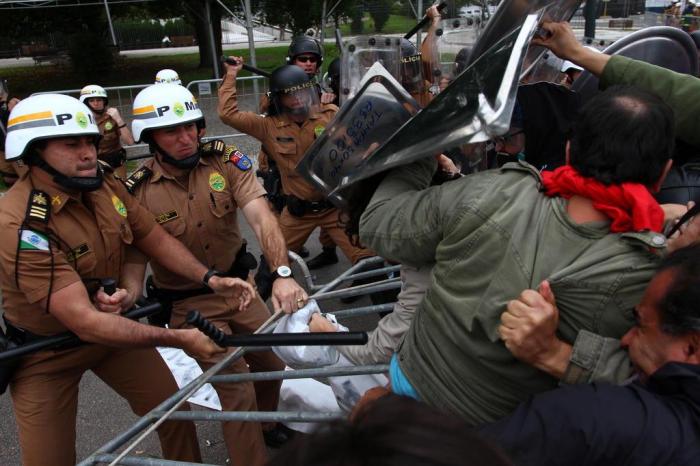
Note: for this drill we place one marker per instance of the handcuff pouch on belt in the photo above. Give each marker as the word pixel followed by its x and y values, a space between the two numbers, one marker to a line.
pixel 241 267
pixel 300 207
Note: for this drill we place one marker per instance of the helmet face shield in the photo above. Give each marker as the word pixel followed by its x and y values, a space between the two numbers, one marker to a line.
pixel 300 100
pixel 412 74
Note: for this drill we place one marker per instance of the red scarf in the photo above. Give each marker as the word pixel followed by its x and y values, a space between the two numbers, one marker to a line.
pixel 630 206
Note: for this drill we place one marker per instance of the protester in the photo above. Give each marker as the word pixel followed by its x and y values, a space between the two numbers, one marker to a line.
pixel 505 234
pixel 653 421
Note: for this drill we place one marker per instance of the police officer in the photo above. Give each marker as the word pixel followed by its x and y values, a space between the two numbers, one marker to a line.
pixel 306 53
pixel 195 193
pixel 63 227
pixel 112 128
pixel 168 76
pixel 294 122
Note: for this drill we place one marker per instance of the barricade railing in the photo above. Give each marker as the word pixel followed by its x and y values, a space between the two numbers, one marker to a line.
pixel 167 410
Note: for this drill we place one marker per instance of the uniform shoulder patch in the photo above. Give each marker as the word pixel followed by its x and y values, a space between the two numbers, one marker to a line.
pixel 136 178
pixel 238 158
pixel 214 147
pixel 38 207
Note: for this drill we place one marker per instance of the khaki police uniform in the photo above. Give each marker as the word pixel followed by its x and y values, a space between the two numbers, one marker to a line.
pixel 287 142
pixel 202 213
pixel 323 237
pixel 110 148
pixel 65 238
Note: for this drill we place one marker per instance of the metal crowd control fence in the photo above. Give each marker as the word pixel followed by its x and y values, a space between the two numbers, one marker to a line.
pixel 167 410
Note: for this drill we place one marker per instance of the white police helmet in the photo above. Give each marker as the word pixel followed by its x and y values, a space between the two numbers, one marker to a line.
pixel 46 116
pixel 168 76
pixel 92 91
pixel 162 106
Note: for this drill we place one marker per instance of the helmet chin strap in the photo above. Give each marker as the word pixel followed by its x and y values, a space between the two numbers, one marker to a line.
pixel 187 163
pixel 73 183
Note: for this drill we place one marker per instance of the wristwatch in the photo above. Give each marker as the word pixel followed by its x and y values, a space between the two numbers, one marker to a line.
pixel 282 272
pixel 210 273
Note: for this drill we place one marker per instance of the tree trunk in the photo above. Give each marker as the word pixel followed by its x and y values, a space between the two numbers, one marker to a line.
pixel 201 29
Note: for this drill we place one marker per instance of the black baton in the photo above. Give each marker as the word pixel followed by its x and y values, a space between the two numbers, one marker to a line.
pixel 423 22
pixel 692 212
pixel 195 319
pixel 252 69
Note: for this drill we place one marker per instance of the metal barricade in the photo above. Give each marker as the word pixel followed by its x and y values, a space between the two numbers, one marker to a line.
pixel 168 409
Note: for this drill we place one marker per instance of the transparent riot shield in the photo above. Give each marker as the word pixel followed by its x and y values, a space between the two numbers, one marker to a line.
pixel 476 106
pixel 359 54
pixel 547 69
pixel 456 38
pixel 377 110
pixel 510 14
pixel 663 46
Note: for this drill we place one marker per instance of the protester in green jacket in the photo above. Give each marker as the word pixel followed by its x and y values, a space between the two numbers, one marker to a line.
pixel 495 234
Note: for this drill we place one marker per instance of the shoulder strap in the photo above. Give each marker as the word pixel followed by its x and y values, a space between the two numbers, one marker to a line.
pixel 38 207
pixel 136 178
pixel 214 147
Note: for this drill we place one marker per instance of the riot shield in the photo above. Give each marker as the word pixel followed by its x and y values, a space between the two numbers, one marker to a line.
pixel 476 106
pixel 455 41
pixel 359 54
pixel 547 69
pixel 663 46
pixel 378 109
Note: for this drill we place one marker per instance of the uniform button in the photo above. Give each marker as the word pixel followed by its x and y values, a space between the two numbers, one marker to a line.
pixel 199 224
pixel 206 247
pixel 191 197
pixel 658 240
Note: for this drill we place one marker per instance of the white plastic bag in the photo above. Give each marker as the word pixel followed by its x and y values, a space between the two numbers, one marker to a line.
pixel 303 357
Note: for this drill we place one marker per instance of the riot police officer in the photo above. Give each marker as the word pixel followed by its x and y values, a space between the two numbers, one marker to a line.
pixel 63 227
pixel 195 192
pixel 294 121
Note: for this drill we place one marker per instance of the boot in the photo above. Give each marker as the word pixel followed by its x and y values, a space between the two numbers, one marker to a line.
pixel 327 257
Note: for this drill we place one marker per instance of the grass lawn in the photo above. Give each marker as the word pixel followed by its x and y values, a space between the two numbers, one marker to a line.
pixel 395 25
pixel 136 70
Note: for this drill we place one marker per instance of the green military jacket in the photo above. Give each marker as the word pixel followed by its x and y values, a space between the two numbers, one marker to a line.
pixel 492 235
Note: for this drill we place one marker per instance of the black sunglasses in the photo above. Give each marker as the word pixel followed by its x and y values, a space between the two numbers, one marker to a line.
pixel 305 58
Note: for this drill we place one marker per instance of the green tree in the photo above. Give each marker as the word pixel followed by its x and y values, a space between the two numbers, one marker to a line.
pixel 380 11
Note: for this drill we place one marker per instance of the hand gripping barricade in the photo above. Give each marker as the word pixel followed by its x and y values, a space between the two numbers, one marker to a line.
pixel 664 46
pixel 359 54
pixel 168 409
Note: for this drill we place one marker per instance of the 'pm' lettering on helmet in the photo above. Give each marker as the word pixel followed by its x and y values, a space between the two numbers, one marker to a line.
pixel 161 110
pixel 61 118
